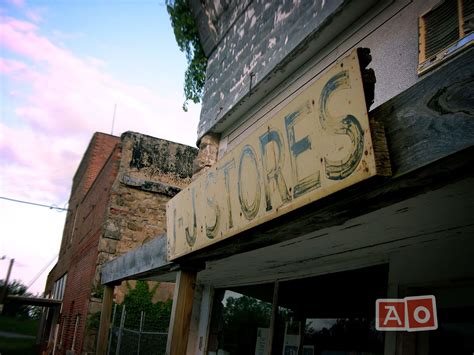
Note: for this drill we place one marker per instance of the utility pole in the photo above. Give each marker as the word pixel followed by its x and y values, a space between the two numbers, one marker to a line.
pixel 5 285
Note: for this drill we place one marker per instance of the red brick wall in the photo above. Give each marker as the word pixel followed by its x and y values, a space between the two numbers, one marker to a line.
pixel 91 215
pixel 94 158
pixel 76 298
pixel 92 162
pixel 82 233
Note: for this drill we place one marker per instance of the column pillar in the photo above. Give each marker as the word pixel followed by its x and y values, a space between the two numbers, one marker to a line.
pixel 181 312
pixel 104 327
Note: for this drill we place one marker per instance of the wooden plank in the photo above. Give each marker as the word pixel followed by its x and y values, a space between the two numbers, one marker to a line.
pixel 138 263
pixel 421 40
pixel 194 323
pixel 430 138
pixel 432 119
pixel 34 301
pixel 103 334
pixel 181 313
pixel 461 18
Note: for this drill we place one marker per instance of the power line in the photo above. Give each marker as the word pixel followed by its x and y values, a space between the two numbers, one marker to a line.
pixel 41 271
pixel 51 207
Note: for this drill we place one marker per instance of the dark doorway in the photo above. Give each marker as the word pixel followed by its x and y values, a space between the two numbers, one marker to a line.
pixel 331 314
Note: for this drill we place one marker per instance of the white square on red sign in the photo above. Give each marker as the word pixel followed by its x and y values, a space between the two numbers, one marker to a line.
pixel 421 313
pixel 390 314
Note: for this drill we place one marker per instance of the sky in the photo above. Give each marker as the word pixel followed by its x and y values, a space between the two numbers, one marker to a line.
pixel 65 65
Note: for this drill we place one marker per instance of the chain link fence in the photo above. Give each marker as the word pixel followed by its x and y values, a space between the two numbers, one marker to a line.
pixel 137 332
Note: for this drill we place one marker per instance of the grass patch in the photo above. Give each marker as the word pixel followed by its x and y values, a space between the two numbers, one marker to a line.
pixel 20 326
pixel 15 346
pixel 18 346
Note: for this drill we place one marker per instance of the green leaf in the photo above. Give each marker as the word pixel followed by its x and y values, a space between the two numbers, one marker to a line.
pixel 187 38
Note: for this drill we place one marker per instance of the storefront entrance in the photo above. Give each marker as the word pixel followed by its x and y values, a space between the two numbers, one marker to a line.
pixel 324 315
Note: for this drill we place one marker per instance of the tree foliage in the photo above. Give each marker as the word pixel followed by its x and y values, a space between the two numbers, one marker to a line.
pixel 246 310
pixel 139 299
pixel 187 37
pixel 242 316
pixel 13 309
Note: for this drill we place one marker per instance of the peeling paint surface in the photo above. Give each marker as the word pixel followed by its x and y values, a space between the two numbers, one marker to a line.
pixel 246 41
pixel 151 157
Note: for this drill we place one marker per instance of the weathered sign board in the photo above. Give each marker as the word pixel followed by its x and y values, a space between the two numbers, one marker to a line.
pixel 319 143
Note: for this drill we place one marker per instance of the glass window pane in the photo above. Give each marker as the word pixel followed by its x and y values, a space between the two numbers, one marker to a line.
pixel 331 314
pixel 241 320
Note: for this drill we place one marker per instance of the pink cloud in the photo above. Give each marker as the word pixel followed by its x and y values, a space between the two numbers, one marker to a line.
pixel 10 67
pixel 67 99
pixel 32 164
pixel 17 3
pixel 35 14
pixel 54 101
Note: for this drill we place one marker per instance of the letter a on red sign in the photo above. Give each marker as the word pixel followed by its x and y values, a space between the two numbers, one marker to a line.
pixel 421 313
pixel 390 314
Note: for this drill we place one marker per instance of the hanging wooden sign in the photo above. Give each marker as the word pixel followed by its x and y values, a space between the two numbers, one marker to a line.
pixel 319 143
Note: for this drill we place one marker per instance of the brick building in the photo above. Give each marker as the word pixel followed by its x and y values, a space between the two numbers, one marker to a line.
pixel 118 202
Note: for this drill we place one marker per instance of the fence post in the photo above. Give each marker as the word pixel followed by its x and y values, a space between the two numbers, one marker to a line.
pixel 111 329
pixel 140 331
pixel 122 322
pixel 104 326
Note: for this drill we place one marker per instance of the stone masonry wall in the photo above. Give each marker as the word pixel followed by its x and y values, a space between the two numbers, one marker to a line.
pixel 151 172
pixel 207 155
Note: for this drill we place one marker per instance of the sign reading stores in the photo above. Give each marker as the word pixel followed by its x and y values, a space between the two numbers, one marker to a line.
pixel 317 144
pixel 411 313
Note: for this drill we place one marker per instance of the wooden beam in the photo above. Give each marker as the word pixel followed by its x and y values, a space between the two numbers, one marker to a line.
pixel 181 313
pixel 103 334
pixel 433 119
pixel 138 263
pixel 34 301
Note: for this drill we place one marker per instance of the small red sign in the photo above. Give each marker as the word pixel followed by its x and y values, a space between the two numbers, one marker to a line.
pixel 411 313
pixel 421 313
pixel 390 314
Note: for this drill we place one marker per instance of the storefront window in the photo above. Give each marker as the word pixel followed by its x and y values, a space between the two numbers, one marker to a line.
pixel 455 333
pixel 324 315
pixel 455 313
pixel 331 314
pixel 241 320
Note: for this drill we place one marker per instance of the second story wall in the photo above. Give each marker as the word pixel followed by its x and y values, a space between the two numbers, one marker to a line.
pixel 262 52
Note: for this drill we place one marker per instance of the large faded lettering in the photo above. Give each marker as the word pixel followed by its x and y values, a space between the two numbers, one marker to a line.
pixel 317 144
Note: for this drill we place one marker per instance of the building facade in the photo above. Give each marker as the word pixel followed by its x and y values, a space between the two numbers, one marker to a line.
pixel 118 202
pixel 343 138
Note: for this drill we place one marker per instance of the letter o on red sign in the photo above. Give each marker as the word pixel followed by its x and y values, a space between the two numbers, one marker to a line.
pixel 421 313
